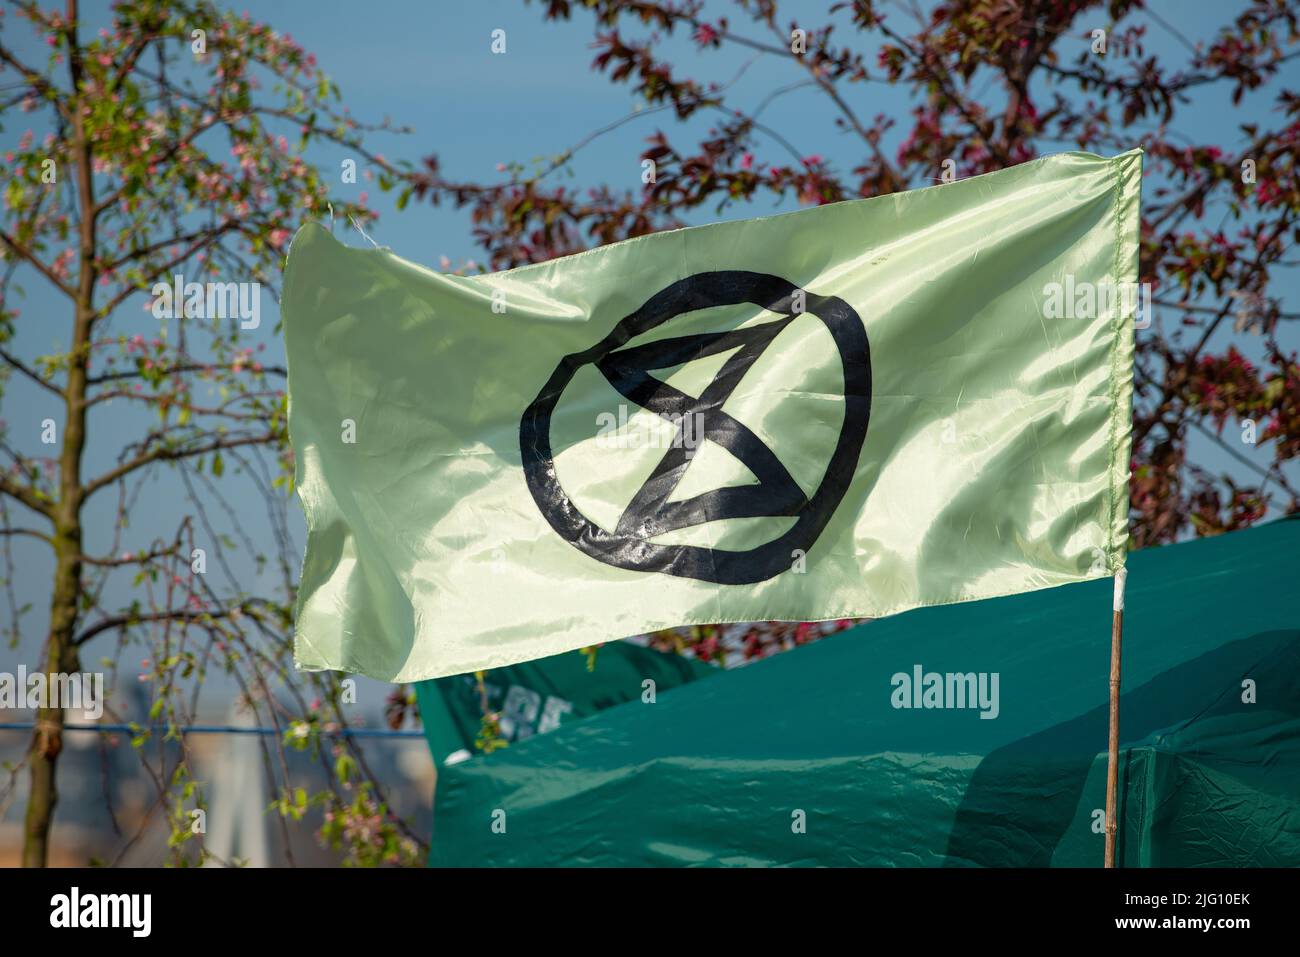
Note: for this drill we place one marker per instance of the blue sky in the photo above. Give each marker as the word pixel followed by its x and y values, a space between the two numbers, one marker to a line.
pixel 428 65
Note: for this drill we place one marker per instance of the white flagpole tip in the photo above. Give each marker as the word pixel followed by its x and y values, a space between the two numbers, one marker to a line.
pixel 357 227
pixel 1121 577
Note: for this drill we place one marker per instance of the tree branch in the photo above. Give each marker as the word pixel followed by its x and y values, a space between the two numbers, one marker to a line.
pixel 27 496
pixel 172 614
pixel 166 455
pixel 30 532
pixel 41 267
pixel 31 374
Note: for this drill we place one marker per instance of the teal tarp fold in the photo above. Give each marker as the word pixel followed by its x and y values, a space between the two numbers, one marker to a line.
pixel 536 697
pixel 809 758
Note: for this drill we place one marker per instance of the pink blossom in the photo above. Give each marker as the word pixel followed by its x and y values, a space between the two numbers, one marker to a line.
pixel 705 34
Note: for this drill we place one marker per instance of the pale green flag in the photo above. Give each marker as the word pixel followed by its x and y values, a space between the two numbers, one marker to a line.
pixel 844 411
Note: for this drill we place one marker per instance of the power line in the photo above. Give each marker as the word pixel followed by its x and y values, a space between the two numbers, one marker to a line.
pixel 218 729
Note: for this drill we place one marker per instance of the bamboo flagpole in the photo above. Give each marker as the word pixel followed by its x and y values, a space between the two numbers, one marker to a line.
pixel 1112 761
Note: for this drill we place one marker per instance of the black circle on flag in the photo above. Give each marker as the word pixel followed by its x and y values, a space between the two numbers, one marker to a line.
pixel 651 513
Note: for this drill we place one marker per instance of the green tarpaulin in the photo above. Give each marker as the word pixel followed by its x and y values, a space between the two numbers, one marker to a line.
pixel 541 696
pixel 805 759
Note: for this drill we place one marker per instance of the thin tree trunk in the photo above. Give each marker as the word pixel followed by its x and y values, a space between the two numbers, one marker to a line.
pixel 47 740
pixel 62 654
